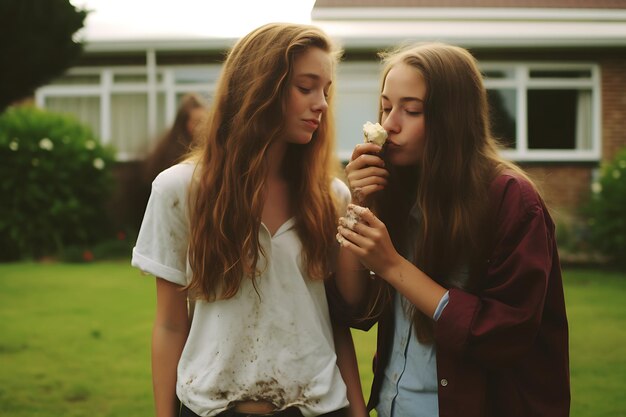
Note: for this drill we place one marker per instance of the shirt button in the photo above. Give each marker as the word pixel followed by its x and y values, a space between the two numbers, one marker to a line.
pixel 444 382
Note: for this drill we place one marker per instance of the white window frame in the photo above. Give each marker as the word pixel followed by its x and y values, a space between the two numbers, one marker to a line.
pixel 521 83
pixel 151 87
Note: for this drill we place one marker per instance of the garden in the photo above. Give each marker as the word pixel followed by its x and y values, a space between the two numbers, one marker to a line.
pixel 75 318
pixel 76 340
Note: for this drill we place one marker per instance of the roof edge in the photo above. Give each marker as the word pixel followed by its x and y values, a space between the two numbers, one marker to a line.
pixel 468 14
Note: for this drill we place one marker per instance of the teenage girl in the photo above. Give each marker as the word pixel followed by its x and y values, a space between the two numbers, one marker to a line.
pixel 467 289
pixel 177 141
pixel 244 230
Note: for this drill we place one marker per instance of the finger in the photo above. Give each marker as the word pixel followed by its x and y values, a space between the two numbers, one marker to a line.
pixel 355 225
pixel 367 215
pixel 363 148
pixel 364 182
pixel 345 243
pixel 354 238
pixel 360 195
pixel 363 230
pixel 364 161
pixel 348 222
pixel 369 171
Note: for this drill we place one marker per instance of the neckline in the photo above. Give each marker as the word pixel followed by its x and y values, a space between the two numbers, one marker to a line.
pixel 281 229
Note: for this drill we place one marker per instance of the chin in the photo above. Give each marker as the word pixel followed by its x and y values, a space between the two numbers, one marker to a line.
pixel 302 140
pixel 399 161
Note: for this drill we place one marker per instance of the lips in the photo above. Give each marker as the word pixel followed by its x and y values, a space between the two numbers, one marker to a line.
pixel 312 123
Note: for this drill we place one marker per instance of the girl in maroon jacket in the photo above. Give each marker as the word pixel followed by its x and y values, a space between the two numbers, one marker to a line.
pixel 466 285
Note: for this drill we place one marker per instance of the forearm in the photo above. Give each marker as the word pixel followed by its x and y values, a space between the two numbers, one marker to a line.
pixel 421 290
pixel 167 346
pixel 348 366
pixel 351 278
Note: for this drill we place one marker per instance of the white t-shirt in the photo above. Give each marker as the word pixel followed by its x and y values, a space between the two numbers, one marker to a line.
pixel 276 345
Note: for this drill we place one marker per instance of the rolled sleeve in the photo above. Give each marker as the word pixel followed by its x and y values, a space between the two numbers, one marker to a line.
pixel 161 248
pixel 442 304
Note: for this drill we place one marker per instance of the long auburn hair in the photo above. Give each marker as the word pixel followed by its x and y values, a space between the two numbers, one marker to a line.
pixel 176 142
pixel 450 185
pixel 227 194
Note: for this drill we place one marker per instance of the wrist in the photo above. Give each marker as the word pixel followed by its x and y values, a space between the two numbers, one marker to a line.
pixel 391 271
pixel 358 198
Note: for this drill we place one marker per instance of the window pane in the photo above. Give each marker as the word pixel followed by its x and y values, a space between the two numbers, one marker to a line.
pixel 502 114
pixel 583 73
pixel 499 74
pixel 559 119
pixel 129 123
pixel 77 79
pixel 205 95
pixel 197 75
pixel 85 109
pixel 161 116
pixel 352 111
pixel 130 78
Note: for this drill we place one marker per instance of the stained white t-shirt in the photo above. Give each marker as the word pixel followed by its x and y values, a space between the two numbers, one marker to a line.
pixel 275 345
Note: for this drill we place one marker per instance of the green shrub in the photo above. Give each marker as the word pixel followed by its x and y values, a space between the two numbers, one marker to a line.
pixel 118 248
pixel 607 210
pixel 55 178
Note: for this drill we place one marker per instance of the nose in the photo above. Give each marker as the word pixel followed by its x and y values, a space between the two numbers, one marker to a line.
pixel 390 123
pixel 320 105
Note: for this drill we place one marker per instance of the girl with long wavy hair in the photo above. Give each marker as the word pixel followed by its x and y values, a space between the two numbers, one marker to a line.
pixel 241 236
pixel 176 142
pixel 466 286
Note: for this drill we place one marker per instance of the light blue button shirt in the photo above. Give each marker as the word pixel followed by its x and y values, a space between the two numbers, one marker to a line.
pixel 409 387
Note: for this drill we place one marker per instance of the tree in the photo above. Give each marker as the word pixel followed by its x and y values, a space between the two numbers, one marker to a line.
pixel 37 44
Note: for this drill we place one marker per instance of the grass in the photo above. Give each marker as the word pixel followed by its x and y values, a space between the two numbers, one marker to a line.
pixel 596 311
pixel 75 341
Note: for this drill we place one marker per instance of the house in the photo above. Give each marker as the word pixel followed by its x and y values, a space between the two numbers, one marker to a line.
pixel 555 71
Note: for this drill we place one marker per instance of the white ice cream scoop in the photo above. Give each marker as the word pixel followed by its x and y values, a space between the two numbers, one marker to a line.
pixel 374 133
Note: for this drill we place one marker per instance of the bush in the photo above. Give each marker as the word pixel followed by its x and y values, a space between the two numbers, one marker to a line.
pixel 607 210
pixel 118 248
pixel 57 178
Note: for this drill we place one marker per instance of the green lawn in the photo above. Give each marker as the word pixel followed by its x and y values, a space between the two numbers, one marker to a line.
pixel 75 341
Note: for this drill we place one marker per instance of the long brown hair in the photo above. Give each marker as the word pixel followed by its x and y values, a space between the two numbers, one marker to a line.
pixel 450 185
pixel 176 142
pixel 227 196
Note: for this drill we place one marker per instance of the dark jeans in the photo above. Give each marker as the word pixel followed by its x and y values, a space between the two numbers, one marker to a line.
pixel 288 412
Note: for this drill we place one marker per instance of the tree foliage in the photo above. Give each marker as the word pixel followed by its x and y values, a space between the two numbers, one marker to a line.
pixel 607 209
pixel 55 179
pixel 37 44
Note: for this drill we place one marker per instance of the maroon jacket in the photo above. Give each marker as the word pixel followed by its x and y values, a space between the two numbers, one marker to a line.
pixel 502 351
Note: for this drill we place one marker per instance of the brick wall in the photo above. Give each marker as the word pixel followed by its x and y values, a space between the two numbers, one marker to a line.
pixel 613 71
pixel 565 188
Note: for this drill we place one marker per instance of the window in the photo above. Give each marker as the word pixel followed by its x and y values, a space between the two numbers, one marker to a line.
pixel 538 111
pixel 545 111
pixel 127 107
pixel 357 98
pixel 503 111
